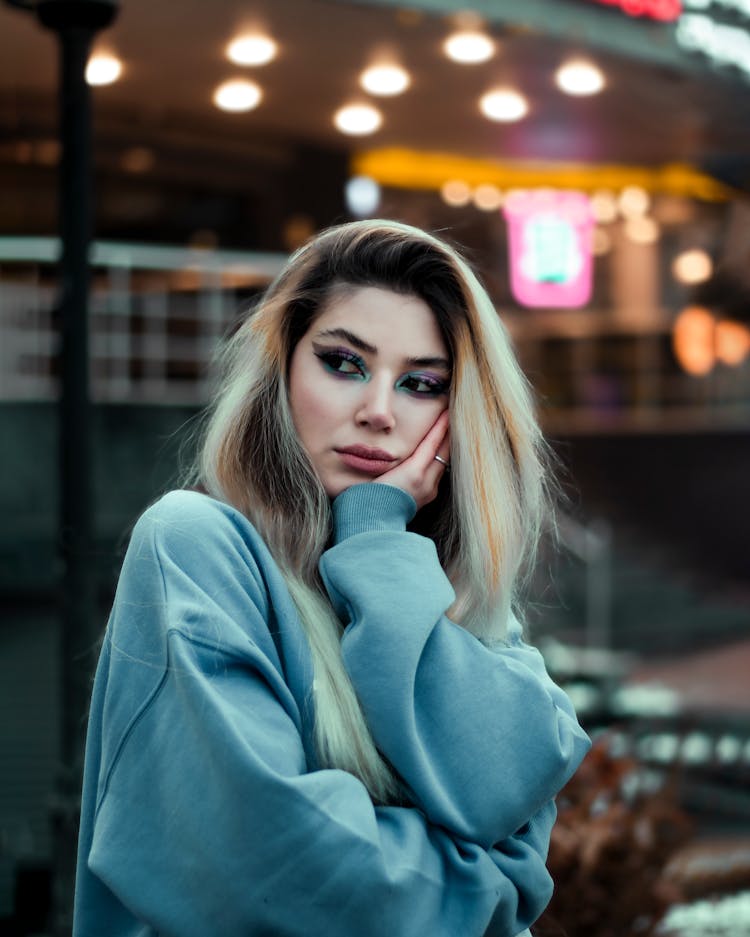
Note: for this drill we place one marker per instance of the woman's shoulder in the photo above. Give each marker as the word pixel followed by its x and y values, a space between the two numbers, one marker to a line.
pixel 184 508
pixel 191 527
pixel 187 504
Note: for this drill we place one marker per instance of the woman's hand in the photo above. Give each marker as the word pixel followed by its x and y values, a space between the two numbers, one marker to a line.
pixel 420 473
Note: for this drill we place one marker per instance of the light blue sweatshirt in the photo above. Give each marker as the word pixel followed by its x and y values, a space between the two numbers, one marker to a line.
pixel 205 813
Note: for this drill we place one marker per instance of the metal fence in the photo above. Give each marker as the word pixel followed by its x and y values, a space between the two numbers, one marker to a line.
pixel 157 313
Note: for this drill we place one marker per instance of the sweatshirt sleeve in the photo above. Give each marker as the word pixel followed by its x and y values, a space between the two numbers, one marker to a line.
pixel 203 816
pixel 482 736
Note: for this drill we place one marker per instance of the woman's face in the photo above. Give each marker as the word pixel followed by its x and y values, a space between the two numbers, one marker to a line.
pixel 366 382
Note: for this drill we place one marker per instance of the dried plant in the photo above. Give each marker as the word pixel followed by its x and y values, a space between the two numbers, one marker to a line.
pixel 618 825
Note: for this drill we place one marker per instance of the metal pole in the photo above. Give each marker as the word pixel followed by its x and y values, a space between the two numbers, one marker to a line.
pixel 75 22
pixel 75 456
pixel 75 406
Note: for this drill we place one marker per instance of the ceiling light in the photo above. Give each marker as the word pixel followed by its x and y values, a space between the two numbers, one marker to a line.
pixel 385 80
pixel 732 342
pixel 103 69
pixel 237 95
pixel 579 78
pixel 255 49
pixel 358 119
pixel 504 104
pixel 642 230
pixel 362 196
pixel 604 206
pixel 487 197
pixel 455 193
pixel 692 266
pixel 693 340
pixel 634 201
pixel 469 47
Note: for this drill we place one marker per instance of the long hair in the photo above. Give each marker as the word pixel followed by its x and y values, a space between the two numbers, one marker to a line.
pixel 489 512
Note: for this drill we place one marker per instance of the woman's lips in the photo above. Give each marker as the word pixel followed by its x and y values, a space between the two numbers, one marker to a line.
pixel 369 461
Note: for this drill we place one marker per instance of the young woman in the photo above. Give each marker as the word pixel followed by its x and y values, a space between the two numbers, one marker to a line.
pixel 314 713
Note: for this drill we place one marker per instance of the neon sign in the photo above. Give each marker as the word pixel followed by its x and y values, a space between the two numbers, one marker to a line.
pixel 549 239
pixel 667 11
pixel 724 44
pixel 730 6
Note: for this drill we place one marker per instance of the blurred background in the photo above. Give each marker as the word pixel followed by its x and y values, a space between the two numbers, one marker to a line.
pixel 592 158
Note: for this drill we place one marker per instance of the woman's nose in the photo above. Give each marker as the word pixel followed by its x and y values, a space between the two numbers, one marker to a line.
pixel 376 406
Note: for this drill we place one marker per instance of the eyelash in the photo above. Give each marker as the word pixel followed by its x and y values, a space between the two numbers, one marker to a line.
pixel 434 386
pixel 333 355
pixel 331 360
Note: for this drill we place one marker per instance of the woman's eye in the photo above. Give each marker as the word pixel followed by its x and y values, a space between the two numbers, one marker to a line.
pixel 340 363
pixel 423 384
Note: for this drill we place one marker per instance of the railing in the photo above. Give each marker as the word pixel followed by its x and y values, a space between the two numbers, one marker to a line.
pixel 591 544
pixel 157 312
pixel 594 373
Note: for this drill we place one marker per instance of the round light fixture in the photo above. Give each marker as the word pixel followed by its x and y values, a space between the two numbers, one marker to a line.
pixel 252 49
pixel 487 197
pixel 237 95
pixel 579 78
pixel 634 201
pixel 693 340
pixel 385 80
pixel 504 104
pixel 692 266
pixel 357 120
pixel 456 193
pixel 604 206
pixel 732 342
pixel 103 69
pixel 641 229
pixel 362 196
pixel 469 47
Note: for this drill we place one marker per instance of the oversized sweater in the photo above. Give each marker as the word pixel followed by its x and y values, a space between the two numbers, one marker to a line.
pixel 205 812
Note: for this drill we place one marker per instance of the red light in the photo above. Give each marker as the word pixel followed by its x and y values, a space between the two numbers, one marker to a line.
pixel 667 11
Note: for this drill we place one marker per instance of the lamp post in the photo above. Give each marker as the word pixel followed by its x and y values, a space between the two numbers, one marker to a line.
pixel 75 22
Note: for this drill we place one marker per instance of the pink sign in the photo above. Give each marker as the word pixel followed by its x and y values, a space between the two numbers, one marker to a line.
pixel 549 236
pixel 665 10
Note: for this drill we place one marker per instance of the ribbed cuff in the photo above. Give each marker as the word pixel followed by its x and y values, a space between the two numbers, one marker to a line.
pixel 371 506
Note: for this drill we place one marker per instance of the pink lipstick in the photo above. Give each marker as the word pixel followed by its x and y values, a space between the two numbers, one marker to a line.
pixel 367 460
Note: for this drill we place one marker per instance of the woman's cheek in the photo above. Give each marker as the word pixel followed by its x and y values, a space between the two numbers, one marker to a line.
pixel 424 420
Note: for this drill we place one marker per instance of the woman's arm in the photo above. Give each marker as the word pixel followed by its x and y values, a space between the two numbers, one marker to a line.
pixel 482 737
pixel 200 813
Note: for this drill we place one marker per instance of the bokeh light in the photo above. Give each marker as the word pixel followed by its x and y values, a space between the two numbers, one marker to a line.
pixel 237 96
pixel 358 119
pixel 103 69
pixel 504 104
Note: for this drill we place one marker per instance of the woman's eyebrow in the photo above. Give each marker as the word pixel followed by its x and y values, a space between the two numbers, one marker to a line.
pixel 350 337
pixel 430 362
pixel 422 361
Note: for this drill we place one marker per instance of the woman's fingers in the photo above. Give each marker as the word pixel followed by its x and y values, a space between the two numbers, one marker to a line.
pixel 420 474
pixel 440 453
pixel 444 446
pixel 435 441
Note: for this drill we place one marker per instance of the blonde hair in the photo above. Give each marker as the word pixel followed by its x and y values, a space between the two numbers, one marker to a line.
pixel 489 513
